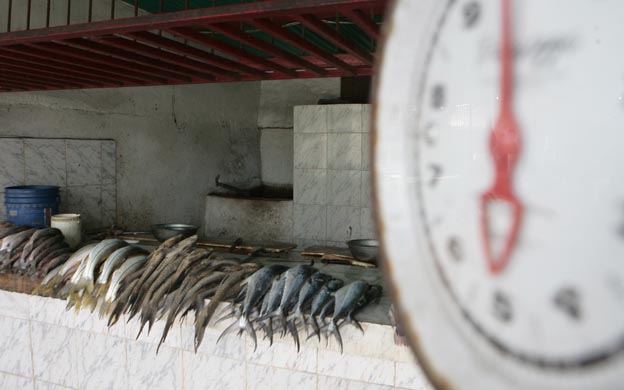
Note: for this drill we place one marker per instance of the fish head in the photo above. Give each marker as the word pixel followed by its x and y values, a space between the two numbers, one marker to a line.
pixel 335 284
pixel 320 278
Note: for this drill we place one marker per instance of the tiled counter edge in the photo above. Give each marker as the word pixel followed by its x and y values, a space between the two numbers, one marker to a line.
pixel 43 346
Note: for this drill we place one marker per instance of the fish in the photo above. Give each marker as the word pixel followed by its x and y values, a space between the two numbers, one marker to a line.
pixel 257 286
pixel 319 302
pixel 50 245
pixel 270 304
pixel 48 285
pixel 373 294
pixel 130 265
pixel 11 231
pixel 307 293
pixel 155 265
pixel 36 238
pixel 163 284
pixel 97 255
pixel 113 262
pixel 54 261
pixel 346 299
pixel 226 289
pixel 15 240
pixel 10 245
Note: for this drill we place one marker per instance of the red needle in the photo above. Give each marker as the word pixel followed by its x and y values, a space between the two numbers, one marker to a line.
pixel 505 148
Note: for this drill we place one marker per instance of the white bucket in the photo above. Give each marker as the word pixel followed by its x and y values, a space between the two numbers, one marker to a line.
pixel 70 226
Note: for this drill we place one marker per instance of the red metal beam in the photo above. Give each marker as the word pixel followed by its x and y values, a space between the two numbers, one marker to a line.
pixel 196 68
pixel 221 14
pixel 31 72
pixel 333 36
pixel 25 76
pixel 297 41
pixel 61 66
pixel 128 59
pixel 206 41
pixel 193 52
pixel 364 22
pixel 266 47
pixel 46 70
pixel 120 69
pixel 12 85
pixel 19 81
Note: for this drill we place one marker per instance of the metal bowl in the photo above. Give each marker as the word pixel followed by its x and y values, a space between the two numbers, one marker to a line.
pixel 165 231
pixel 364 250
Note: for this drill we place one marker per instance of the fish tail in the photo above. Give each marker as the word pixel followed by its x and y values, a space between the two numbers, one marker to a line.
pixel 269 325
pixel 333 329
pixel 293 331
pixel 251 331
pixel 227 330
pixel 315 328
pixel 104 308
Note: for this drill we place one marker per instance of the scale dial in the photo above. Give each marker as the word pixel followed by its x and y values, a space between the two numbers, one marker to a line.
pixel 550 312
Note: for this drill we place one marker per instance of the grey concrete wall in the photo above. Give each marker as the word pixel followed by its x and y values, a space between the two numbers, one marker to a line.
pixel 275 121
pixel 171 141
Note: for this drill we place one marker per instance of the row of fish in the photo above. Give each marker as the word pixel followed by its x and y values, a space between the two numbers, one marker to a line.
pixel 30 251
pixel 115 278
pixel 288 299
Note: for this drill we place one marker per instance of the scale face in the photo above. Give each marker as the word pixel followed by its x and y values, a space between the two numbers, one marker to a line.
pixel 499 183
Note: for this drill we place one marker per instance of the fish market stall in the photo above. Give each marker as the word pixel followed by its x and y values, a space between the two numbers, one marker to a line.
pixel 115 315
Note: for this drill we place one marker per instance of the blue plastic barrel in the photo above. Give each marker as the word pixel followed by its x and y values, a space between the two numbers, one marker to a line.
pixel 31 205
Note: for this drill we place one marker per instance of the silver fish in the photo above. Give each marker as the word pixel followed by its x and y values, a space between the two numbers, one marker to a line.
pixel 97 255
pixel 324 296
pixel 346 299
pixel 257 286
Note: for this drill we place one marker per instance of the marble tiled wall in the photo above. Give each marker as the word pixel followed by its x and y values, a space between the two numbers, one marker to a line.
pixel 84 169
pixel 332 201
pixel 42 346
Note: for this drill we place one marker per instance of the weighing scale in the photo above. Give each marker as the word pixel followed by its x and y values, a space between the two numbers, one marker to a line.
pixel 498 158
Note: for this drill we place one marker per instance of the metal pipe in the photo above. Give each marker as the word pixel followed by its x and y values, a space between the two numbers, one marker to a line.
pixel 90 10
pixel 9 15
pixel 136 7
pixel 28 15
pixel 48 15
pixel 112 9
pixel 68 11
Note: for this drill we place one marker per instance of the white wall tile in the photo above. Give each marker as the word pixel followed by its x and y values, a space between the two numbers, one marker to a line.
pixel 109 164
pixel 332 383
pixel 14 304
pixel 15 355
pixel 283 354
pixel 270 378
pixel 86 201
pixel 45 162
pixel 55 353
pixel 345 118
pixel 102 362
pixel 310 150
pixel 343 223
pixel 260 377
pixel 287 380
pixel 15 382
pixel 50 310
pixel 367 222
pixel 310 186
pixel 12 164
pixel 205 372
pixel 359 368
pixel 148 370
pixel 344 151
pixel 367 119
pixel 344 188
pixel 409 375
pixel 366 157
pixel 353 385
pixel 174 337
pixel 42 385
pixel 84 162
pixel 310 221
pixel 310 119
pixel 367 191
pixel 231 347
